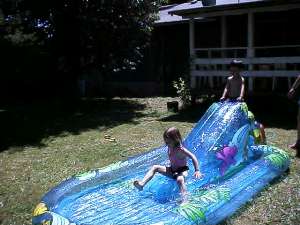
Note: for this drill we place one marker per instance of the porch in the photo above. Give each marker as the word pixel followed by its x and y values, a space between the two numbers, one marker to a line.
pixel 263 35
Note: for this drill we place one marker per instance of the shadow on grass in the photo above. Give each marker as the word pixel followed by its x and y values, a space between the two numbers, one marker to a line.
pixel 272 111
pixel 28 124
pixel 191 114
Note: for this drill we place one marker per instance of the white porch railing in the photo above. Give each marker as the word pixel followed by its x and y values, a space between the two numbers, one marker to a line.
pixel 269 61
pixel 235 52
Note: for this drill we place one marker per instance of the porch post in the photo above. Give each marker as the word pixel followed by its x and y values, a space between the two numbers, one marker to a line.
pixel 192 51
pixel 223 42
pixel 224 34
pixel 250 50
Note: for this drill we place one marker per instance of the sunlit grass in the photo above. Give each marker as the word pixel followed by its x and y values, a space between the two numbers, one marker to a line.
pixel 27 172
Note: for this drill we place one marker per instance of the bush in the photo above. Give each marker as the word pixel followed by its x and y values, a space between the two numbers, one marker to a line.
pixel 183 91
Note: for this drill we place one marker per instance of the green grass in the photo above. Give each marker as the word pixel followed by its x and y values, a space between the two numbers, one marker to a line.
pixel 101 135
pixel 279 203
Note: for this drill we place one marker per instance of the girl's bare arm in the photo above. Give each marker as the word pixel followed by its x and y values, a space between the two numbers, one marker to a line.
pixel 296 83
pixel 294 87
pixel 193 157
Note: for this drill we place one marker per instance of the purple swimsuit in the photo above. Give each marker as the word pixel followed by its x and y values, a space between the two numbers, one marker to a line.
pixel 177 158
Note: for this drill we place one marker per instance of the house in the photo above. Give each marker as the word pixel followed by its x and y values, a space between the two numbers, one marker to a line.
pixel 198 39
pixel 264 34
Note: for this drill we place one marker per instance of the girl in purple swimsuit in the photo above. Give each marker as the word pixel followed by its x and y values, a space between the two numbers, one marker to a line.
pixel 178 159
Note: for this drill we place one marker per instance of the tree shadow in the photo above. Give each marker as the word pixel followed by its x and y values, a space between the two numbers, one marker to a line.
pixel 273 111
pixel 190 114
pixel 29 123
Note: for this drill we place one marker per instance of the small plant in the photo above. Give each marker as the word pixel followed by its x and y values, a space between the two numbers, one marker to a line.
pixel 183 91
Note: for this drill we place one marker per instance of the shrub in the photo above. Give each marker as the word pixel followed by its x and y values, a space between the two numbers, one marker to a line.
pixel 183 91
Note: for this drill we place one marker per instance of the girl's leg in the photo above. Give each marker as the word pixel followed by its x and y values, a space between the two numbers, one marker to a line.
pixel 298 125
pixel 181 184
pixel 149 175
pixel 296 146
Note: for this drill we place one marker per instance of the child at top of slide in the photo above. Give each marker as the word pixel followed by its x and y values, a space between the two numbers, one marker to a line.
pixel 178 162
pixel 235 86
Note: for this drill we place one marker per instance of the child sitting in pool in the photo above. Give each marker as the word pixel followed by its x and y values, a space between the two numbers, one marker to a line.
pixel 235 86
pixel 178 158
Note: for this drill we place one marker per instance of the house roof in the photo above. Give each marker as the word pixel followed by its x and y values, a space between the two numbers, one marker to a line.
pixel 168 13
pixel 166 18
pixel 188 8
pixel 179 13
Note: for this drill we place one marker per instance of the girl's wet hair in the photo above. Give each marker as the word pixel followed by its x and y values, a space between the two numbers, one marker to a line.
pixel 173 134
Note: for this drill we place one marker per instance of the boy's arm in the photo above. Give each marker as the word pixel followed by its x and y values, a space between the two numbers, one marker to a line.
pixel 195 162
pixel 225 90
pixel 241 97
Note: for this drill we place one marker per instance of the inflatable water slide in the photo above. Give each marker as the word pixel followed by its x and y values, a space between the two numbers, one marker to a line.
pixel 236 166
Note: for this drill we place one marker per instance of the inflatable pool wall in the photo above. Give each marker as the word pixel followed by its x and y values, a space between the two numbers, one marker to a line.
pixel 235 165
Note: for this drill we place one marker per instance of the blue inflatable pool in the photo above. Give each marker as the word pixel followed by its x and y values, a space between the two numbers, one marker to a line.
pixel 236 167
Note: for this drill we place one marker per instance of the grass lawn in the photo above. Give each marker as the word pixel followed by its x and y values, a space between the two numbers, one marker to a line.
pixel 99 133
